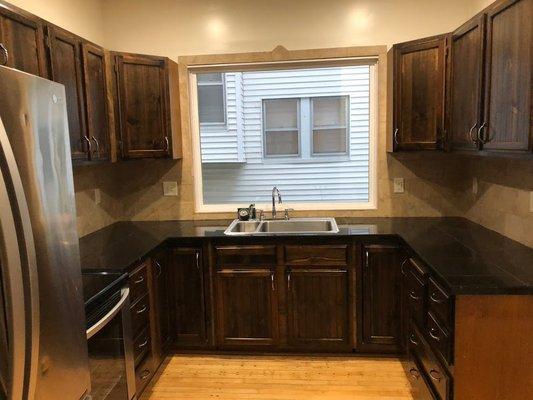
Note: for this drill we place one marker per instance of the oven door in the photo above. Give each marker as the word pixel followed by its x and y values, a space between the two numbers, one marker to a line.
pixel 111 353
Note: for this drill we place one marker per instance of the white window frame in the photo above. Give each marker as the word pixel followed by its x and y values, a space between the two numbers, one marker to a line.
pixel 337 155
pixel 279 157
pixel 224 110
pixel 371 204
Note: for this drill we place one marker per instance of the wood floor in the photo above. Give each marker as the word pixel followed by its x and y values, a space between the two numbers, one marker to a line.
pixel 225 377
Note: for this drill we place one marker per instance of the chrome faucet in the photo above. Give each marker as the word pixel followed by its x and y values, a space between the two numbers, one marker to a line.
pixel 274 190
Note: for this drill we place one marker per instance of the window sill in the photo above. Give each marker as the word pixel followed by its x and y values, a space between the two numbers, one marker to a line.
pixel 309 207
pixel 311 160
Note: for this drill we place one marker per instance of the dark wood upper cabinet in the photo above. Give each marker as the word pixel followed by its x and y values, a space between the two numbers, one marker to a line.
pixel 66 68
pixel 317 308
pixel 508 90
pixel 188 297
pixel 147 106
pixel 246 308
pixel 419 93
pixel 97 110
pixel 466 111
pixel 381 297
pixel 22 36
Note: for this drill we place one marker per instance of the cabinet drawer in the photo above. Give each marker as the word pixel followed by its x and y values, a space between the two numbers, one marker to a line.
pixel 415 297
pixel 319 255
pixel 139 315
pixel 440 304
pixel 417 378
pixel 245 256
pixel 143 373
pixel 439 338
pixel 435 374
pixel 138 283
pixel 141 345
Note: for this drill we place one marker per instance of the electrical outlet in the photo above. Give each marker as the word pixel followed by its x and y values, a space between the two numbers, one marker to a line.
pixel 170 188
pixel 530 201
pixel 399 186
pixel 97 196
pixel 474 185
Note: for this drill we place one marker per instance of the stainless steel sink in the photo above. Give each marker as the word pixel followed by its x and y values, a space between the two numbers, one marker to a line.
pixel 272 227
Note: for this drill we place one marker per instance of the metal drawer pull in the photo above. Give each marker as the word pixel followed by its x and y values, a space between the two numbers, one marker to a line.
pixel 159 269
pixel 289 281
pixel 198 261
pixel 5 54
pixel 145 374
pixel 395 135
pixel 412 340
pixel 479 133
pixel 403 265
pixel 272 282
pixel 143 309
pixel 140 280
pixel 473 139
pixel 432 334
pixel 143 344
pixel 413 296
pixel 97 145
pixel 414 373
pixel 434 298
pixel 435 375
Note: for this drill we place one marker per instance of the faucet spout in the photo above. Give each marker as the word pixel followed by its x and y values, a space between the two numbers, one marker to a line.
pixel 275 191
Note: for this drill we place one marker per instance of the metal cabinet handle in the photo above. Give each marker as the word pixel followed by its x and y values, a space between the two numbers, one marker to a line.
pixel 395 136
pixel 473 139
pixel 432 334
pixel 434 298
pixel 367 259
pixel 5 54
pixel 143 309
pixel 272 281
pixel 97 146
pixel 167 144
pixel 479 133
pixel 89 146
pixel 414 373
pixel 412 339
pixel 140 280
pixel 289 280
pixel 413 296
pixel 145 374
pixel 402 269
pixel 143 344
pixel 198 261
pixel 435 375
pixel 159 269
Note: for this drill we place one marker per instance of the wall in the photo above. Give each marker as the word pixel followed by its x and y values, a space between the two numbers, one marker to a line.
pixel 178 27
pixel 83 17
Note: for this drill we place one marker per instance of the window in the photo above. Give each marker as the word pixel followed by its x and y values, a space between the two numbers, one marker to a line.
pixel 308 131
pixel 281 127
pixel 325 134
pixel 211 98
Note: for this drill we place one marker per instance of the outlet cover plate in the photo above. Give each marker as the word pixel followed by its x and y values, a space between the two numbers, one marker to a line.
pixel 170 188
pixel 399 185
pixel 97 196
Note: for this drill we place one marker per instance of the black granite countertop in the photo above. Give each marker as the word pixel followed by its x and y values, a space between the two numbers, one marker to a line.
pixel 464 256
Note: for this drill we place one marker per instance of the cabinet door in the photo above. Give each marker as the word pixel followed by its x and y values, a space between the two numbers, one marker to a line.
pixel 466 88
pixel 144 118
pixel 188 299
pixel 94 78
pixel 381 278
pixel 162 278
pixel 508 77
pixel 317 308
pixel 66 68
pixel 246 308
pixel 419 79
pixel 22 36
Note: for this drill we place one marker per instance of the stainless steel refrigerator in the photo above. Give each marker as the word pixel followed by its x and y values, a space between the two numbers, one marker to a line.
pixel 43 346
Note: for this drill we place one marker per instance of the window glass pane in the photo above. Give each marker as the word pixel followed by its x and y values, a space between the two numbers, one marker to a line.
pixel 281 113
pixel 211 104
pixel 329 141
pixel 280 143
pixel 329 111
pixel 209 78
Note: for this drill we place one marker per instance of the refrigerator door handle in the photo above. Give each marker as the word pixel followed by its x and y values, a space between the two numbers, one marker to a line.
pixel 21 270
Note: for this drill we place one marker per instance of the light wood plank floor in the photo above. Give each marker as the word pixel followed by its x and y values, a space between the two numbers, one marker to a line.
pixel 224 377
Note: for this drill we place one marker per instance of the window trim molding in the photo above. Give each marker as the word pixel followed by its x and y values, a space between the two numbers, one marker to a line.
pixel 280 58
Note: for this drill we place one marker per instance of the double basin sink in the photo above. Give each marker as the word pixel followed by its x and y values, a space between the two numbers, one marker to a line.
pixel 280 226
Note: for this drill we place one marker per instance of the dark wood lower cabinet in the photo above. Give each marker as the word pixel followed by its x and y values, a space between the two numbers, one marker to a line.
pixel 317 308
pixel 161 279
pixel 246 308
pixel 380 297
pixel 188 296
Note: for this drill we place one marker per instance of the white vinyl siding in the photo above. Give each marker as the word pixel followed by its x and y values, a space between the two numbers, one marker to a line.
pixel 324 178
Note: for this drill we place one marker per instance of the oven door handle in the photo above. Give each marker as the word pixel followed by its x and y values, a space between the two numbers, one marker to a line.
pixel 93 330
